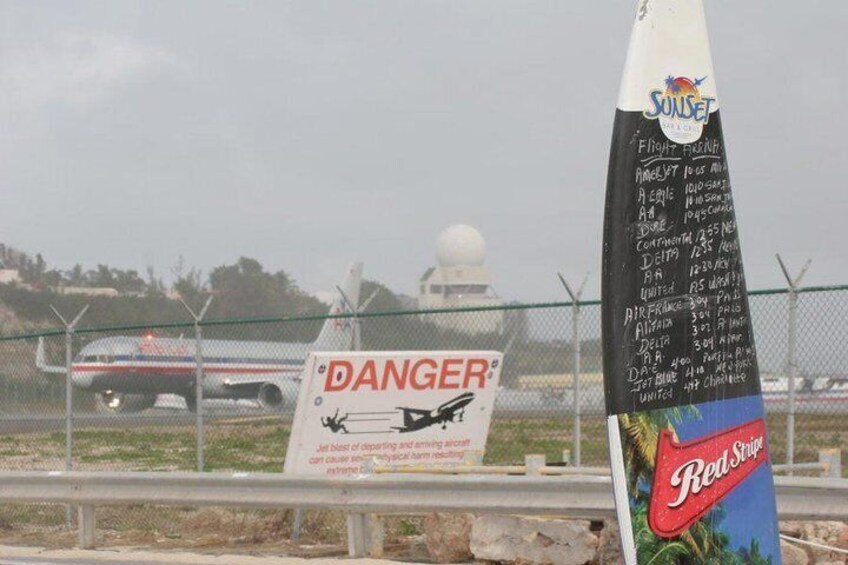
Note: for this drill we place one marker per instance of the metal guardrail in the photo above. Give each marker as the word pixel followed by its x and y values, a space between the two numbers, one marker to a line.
pixel 799 498
pixel 828 465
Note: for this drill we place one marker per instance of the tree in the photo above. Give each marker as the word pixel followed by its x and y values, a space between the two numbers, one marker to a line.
pixel 245 289
pixel 101 277
pixel 154 283
pixel 76 276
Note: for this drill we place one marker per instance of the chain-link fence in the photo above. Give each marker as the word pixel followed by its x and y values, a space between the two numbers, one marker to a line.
pixel 246 424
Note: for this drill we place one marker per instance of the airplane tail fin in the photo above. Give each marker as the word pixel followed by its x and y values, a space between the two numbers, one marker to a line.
pixel 41 360
pixel 337 333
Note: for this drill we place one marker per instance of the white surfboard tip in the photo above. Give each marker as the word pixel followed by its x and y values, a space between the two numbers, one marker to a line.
pixel 669 40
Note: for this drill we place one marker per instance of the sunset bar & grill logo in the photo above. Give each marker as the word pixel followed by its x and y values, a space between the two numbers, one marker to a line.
pixel 681 108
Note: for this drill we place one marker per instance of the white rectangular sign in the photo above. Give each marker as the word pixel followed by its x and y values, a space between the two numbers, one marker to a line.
pixel 404 407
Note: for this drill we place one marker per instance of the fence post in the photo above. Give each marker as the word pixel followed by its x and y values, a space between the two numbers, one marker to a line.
pixel 575 346
pixel 356 325
pixel 357 524
pixel 791 354
pixel 198 378
pixel 69 396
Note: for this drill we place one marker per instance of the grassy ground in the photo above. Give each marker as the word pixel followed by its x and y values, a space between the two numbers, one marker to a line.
pixel 258 445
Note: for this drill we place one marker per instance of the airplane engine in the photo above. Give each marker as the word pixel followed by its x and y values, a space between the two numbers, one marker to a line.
pixel 271 398
pixel 123 403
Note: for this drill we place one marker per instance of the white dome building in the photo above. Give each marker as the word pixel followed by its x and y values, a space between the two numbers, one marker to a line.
pixel 461 280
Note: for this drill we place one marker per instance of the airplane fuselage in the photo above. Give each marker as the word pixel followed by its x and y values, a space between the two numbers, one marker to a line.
pixel 153 365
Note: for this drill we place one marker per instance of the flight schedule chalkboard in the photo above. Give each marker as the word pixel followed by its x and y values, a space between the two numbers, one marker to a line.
pixel 680 311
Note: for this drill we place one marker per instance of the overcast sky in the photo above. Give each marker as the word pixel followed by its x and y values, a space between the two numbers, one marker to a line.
pixel 307 134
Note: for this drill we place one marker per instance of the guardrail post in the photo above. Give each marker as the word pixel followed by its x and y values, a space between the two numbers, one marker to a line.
pixel 357 535
pixel 365 532
pixel 69 397
pixel 832 460
pixel 575 347
pixel 791 356
pixel 198 379
pixel 87 526
pixel 533 465
pixel 297 524
pixel 376 535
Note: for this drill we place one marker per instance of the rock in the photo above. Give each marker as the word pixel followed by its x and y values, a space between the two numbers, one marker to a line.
pixel 842 540
pixel 609 545
pixel 792 529
pixel 834 534
pixel 533 540
pixel 792 554
pixel 448 537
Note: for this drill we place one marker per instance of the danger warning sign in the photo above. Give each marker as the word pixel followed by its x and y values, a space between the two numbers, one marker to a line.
pixel 404 407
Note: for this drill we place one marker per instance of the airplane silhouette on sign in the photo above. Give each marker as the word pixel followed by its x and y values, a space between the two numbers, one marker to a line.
pixel 415 419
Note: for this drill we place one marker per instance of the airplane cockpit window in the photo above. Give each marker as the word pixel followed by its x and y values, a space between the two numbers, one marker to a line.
pixel 105 359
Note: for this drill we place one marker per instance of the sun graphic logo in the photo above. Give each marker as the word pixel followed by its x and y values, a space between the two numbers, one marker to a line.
pixel 681 108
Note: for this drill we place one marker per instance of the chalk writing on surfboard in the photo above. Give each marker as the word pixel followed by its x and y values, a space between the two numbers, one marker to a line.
pixel 682 316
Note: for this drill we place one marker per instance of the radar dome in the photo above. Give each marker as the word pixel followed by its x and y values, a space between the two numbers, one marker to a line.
pixel 460 246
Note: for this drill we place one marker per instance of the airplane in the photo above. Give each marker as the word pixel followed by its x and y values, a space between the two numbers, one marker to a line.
pixel 415 419
pixel 128 373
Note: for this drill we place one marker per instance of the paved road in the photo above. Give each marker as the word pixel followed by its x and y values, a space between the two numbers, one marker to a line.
pixel 11 555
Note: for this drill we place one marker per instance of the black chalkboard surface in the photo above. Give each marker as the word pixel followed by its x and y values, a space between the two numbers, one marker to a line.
pixel 675 301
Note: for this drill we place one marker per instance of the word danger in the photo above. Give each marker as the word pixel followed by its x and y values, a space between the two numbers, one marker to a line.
pixel 695 475
pixel 419 374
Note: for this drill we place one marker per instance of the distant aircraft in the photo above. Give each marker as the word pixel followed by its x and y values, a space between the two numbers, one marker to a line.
pixel 127 373
pixel 415 419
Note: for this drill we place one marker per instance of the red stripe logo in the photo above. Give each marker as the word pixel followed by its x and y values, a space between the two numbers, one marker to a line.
pixel 692 477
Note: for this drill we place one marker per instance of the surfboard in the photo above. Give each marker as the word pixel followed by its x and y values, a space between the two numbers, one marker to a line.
pixel 688 445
